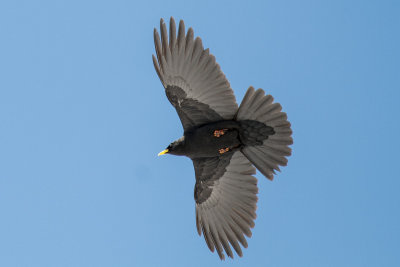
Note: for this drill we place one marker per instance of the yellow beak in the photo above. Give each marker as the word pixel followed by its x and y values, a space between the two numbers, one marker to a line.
pixel 163 152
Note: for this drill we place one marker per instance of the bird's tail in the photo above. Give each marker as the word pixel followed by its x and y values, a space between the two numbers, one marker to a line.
pixel 268 154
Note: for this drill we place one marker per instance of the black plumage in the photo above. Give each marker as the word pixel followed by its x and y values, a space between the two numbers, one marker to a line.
pixel 223 140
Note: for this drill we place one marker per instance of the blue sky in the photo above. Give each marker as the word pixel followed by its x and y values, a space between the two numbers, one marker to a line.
pixel 83 116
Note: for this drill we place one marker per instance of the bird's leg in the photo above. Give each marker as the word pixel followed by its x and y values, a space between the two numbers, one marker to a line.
pixel 218 133
pixel 223 150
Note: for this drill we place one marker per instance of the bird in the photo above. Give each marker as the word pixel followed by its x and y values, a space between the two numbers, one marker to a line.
pixel 226 142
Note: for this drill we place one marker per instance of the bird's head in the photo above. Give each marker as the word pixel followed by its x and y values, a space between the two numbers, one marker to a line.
pixel 175 148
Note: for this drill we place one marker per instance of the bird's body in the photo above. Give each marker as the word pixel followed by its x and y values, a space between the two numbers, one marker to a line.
pixel 217 138
pixel 225 141
pixel 202 142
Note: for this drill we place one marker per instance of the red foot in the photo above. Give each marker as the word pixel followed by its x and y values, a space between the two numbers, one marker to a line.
pixel 218 133
pixel 223 150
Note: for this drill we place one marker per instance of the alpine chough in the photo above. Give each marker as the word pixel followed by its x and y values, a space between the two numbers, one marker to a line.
pixel 223 140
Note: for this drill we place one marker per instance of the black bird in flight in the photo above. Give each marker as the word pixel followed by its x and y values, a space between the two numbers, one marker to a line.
pixel 223 140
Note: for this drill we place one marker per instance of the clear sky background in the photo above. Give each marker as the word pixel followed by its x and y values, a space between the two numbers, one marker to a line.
pixel 83 116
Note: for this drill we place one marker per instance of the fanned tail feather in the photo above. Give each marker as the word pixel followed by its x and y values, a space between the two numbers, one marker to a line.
pixel 272 153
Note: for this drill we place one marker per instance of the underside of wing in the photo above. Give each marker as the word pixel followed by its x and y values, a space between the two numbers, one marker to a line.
pixel 226 202
pixel 194 82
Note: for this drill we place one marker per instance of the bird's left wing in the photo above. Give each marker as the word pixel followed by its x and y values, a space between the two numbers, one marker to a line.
pixel 226 201
pixel 193 81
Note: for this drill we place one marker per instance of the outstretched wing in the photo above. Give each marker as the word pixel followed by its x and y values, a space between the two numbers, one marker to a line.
pixel 226 201
pixel 193 81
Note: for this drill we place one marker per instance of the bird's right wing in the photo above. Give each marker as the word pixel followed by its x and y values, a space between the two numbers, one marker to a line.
pixel 226 201
pixel 193 81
